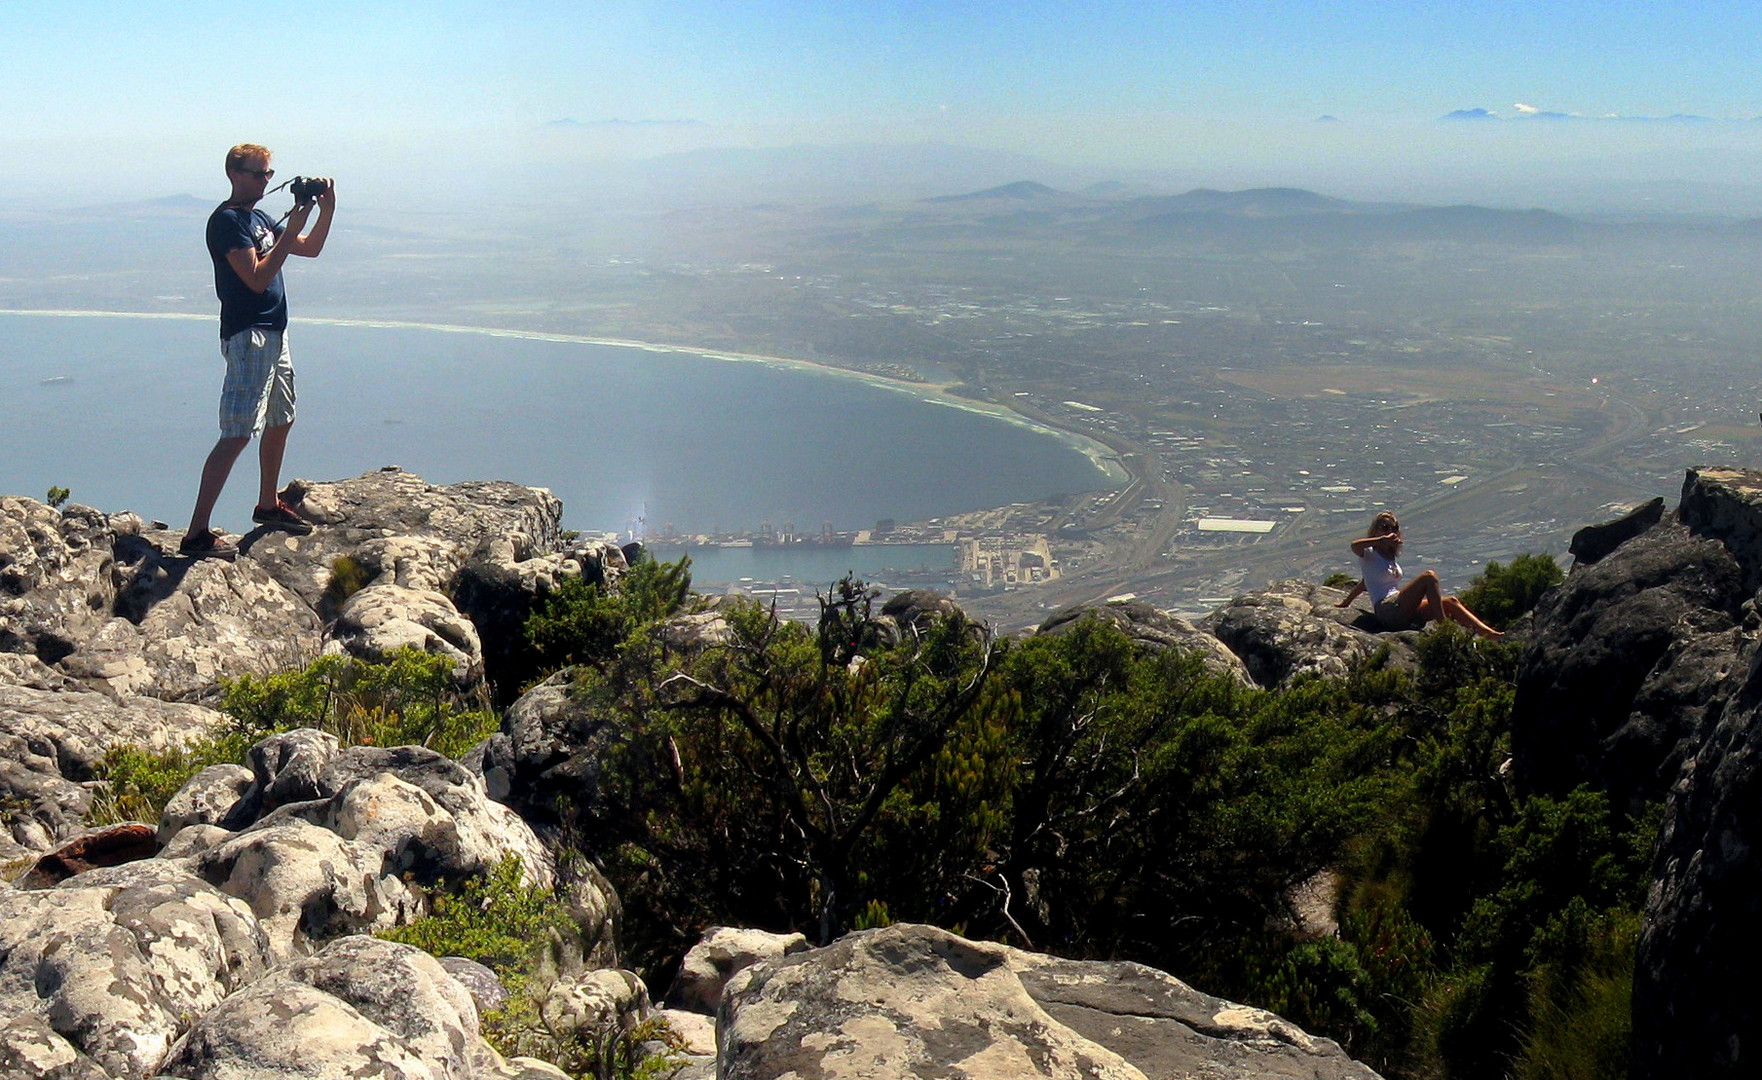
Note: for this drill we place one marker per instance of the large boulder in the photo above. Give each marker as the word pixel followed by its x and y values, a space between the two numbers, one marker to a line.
pixel 356 518
pixel 1153 629
pixel 383 618
pixel 359 1007
pixel 182 625
pixel 1295 628
pixel 547 755
pixel 52 744
pixel 427 816
pixel 1697 1010
pixel 56 580
pixel 116 961
pixel 1623 660
pixel 722 951
pixel 910 1001
pixel 307 885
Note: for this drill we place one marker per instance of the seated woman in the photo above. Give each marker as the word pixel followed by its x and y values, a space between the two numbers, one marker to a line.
pixel 1404 607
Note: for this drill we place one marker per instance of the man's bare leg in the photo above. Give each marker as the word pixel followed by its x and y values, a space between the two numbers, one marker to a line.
pixel 214 473
pixel 269 452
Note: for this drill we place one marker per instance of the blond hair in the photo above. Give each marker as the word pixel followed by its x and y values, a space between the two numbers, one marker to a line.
pixel 1383 524
pixel 243 152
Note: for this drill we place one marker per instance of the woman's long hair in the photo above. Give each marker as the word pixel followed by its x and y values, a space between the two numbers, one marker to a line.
pixel 1385 524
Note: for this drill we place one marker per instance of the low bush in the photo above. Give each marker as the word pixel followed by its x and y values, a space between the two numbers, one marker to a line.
pixel 513 928
pixel 408 700
pixel 1500 594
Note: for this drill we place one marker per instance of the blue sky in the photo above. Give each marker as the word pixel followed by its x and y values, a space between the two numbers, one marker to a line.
pixel 1101 84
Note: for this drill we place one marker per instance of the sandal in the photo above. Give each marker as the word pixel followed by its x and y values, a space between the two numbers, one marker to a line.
pixel 208 545
pixel 282 516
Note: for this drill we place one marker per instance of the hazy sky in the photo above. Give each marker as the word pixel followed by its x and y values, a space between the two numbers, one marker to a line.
pixel 92 95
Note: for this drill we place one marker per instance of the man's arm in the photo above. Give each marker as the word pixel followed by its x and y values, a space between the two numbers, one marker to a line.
pixel 313 242
pixel 257 273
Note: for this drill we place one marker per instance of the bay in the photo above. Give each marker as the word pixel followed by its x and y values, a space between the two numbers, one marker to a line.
pixel 121 411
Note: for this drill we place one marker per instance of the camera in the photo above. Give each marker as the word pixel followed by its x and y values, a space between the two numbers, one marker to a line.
pixel 307 188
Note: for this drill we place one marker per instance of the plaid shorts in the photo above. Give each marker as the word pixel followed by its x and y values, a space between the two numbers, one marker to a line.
pixel 259 388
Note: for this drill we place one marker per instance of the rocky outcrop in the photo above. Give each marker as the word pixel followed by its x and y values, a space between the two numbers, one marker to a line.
pixel 547 753
pixel 1625 658
pixel 1592 542
pixel 56 585
pixel 722 951
pixel 115 962
pixel 359 1007
pixel 182 626
pixel 435 528
pixel 1294 629
pixel 51 745
pixel 381 619
pixel 1154 629
pixel 910 1001
pixel 1696 1008
pixel 501 585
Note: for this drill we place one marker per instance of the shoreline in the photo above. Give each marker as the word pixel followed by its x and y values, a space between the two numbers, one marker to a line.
pixel 1099 454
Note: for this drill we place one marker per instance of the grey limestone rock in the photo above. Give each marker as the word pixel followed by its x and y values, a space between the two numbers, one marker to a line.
pixel 307 885
pixel 595 1001
pixel 56 579
pixel 51 744
pixel 356 518
pixel 183 625
pixel 32 1050
pixel 484 986
pixel 359 1007
pixel 116 961
pixel 383 618
pixel 206 798
pixel 1294 628
pixel 722 951
pixel 910 1001
pixel 547 752
pixel 1156 629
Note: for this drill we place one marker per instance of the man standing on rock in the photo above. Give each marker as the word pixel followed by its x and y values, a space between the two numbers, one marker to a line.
pixel 248 248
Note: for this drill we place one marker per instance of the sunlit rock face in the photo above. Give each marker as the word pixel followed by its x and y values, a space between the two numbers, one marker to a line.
pixel 909 1001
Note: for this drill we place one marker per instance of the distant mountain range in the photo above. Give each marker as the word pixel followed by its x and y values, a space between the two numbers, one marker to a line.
pixel 1253 215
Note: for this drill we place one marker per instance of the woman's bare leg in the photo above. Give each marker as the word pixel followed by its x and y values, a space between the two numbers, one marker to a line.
pixel 1457 612
pixel 1420 599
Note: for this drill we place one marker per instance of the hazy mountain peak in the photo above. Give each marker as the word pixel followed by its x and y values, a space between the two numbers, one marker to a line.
pixel 1021 190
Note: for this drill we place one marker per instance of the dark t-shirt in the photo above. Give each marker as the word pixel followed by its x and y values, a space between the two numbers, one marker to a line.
pixel 229 229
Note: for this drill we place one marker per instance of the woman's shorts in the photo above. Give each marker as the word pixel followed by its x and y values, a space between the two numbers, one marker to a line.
pixel 259 388
pixel 1388 613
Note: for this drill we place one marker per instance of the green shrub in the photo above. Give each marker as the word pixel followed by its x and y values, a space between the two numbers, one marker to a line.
pixel 581 622
pixel 409 699
pixel 138 783
pixel 347 577
pixel 1500 594
pixel 500 921
pixel 495 918
pixel 1338 580
pixel 57 496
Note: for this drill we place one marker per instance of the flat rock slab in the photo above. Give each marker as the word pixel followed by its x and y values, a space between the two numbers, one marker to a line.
pixel 355 517
pixel 912 1001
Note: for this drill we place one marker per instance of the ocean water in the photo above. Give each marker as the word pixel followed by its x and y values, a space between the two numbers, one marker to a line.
pixel 122 412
